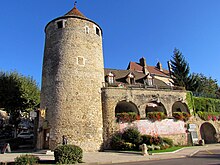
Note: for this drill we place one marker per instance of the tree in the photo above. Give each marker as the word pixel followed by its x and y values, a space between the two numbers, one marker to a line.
pixel 180 73
pixel 18 92
pixel 207 86
pixel 218 93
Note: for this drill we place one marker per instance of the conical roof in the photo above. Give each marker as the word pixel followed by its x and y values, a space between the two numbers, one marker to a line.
pixel 75 12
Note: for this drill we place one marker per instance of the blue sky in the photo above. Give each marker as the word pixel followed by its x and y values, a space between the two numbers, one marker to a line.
pixel 132 29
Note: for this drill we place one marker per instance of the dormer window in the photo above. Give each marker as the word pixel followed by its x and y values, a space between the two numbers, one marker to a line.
pixel 131 78
pixel 149 80
pixel 110 78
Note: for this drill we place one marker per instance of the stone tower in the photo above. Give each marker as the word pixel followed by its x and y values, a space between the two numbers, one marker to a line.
pixel 73 74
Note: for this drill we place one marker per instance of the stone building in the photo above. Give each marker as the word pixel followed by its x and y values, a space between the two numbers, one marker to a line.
pixel 80 99
pixel 71 82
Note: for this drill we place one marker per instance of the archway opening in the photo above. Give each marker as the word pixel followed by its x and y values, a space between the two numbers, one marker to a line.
pixel 208 132
pixel 155 107
pixel 124 106
pixel 126 112
pixel 180 107
pixel 180 111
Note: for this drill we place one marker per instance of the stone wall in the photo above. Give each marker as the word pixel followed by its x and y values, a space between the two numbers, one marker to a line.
pixel 199 122
pixel 140 97
pixel 71 83
pixel 170 128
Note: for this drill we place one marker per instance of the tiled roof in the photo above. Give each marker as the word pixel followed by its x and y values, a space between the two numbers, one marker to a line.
pixel 121 75
pixel 156 71
pixel 75 12
pixel 133 66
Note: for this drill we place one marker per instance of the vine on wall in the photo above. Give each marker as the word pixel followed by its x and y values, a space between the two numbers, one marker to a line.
pixel 206 108
pixel 206 104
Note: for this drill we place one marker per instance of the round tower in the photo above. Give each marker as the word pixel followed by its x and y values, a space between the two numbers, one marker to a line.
pixel 73 74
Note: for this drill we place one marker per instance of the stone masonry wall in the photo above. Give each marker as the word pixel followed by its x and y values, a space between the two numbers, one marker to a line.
pixel 140 97
pixel 71 84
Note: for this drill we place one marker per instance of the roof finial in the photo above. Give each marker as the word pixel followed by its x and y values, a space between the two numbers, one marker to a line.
pixel 75 3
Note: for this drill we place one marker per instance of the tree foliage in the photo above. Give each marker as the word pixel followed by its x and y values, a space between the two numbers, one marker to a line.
pixel 18 92
pixel 207 86
pixel 180 73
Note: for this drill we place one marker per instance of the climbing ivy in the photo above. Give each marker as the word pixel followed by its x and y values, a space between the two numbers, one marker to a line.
pixel 190 100
pixel 206 104
pixel 206 108
pixel 202 104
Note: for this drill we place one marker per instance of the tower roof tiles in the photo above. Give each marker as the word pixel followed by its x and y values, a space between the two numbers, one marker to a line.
pixel 75 12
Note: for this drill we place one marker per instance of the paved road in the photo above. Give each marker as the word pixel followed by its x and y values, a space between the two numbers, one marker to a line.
pixel 206 157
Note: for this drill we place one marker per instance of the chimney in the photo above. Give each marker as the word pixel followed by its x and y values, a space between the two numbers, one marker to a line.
pixel 144 65
pixel 159 66
pixel 169 67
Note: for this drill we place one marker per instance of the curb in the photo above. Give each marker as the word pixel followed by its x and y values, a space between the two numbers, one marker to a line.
pixel 194 153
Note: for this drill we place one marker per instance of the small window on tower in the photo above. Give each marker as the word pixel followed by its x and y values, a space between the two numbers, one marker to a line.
pixel 60 24
pixel 97 31
pixel 81 61
pixel 87 30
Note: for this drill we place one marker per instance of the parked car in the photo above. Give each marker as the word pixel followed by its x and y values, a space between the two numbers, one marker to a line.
pixel 26 135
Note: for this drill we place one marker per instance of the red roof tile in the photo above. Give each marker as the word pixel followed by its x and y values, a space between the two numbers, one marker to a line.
pixel 156 71
pixel 133 66
pixel 75 12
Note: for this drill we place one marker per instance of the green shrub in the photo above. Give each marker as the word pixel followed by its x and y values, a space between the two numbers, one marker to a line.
pixel 128 146
pixel 117 142
pixel 68 154
pixel 157 140
pixel 128 140
pixel 26 160
pixel 132 135
pixel 147 139
pixel 168 141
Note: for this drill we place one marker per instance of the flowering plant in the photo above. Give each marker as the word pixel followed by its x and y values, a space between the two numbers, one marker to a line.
pixel 181 116
pixel 214 116
pixel 127 117
pixel 156 116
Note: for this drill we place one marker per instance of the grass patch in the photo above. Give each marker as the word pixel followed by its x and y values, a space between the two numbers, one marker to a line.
pixel 166 150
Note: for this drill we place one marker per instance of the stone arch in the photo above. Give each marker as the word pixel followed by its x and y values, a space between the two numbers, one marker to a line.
pixel 155 107
pixel 208 132
pixel 179 106
pixel 126 106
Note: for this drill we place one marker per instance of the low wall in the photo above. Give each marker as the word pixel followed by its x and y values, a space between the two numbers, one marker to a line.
pixel 170 128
